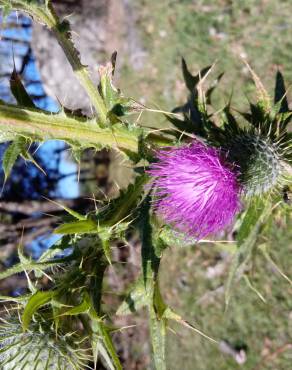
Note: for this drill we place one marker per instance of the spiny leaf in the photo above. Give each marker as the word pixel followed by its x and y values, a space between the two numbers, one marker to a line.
pixel 17 148
pixel 77 227
pixel 168 237
pixel 120 208
pixel 20 299
pixel 171 315
pixel 228 117
pixel 210 91
pixel 105 243
pixel 190 80
pixel 150 260
pixel 263 96
pixel 280 93
pixel 58 247
pixel 107 340
pixel 84 306
pixel 137 298
pixel 182 125
pixel 11 154
pixel 258 114
pixel 99 349
pixel 28 157
pixel 101 330
pixel 34 303
pixel 249 284
pixel 158 301
pixel 246 240
pixel 150 266
pixel 158 339
pixel 70 211
pixel 263 249
pixel 31 265
pixel 109 93
pixel 252 216
pixel 19 92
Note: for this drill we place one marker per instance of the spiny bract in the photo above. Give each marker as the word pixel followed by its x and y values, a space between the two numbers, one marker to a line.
pixel 259 162
pixel 39 348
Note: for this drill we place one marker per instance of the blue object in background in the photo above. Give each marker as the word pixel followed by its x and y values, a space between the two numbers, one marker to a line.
pixel 15 49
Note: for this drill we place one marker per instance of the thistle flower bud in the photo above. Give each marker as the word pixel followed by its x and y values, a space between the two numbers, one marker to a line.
pixel 197 190
pixel 38 348
pixel 260 162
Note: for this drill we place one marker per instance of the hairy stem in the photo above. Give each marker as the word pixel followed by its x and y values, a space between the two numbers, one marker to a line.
pixel 39 126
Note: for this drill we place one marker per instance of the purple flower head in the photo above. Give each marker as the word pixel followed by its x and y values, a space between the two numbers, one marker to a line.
pixel 196 189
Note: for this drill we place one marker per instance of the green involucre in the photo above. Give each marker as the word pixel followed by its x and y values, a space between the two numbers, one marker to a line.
pixel 40 347
pixel 259 161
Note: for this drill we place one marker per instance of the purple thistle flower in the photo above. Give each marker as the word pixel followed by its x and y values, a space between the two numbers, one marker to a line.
pixel 197 190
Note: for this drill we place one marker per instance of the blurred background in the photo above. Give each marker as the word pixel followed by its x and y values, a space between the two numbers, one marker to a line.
pixel 150 37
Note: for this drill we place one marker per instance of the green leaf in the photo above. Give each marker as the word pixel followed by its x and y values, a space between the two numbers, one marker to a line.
pixel 168 237
pixel 264 250
pixel 158 301
pixel 190 80
pixel 99 349
pixel 84 306
pixel 34 303
pixel 280 93
pixel 183 126
pixel 77 227
pixel 211 89
pixel 102 331
pixel 19 92
pixel 249 223
pixel 58 247
pixel 120 208
pixel 70 211
pixel 107 340
pixel 150 261
pixel 247 236
pixel 20 299
pixel 150 267
pixel 171 315
pixel 11 154
pixel 12 270
pixel 108 92
pixel 258 114
pixel 17 148
pixel 106 246
pixel 31 265
pixel 158 339
pixel 263 97
pixel 137 298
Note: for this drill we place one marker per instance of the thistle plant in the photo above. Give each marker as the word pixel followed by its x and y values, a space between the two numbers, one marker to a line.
pixel 200 177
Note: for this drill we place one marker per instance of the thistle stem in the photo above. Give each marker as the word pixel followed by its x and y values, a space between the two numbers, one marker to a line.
pixel 39 126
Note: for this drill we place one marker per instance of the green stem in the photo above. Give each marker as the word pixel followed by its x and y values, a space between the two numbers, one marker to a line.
pixel 46 15
pixel 39 126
